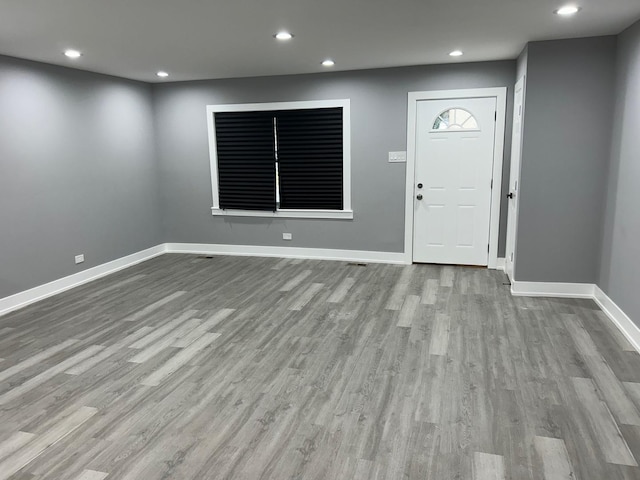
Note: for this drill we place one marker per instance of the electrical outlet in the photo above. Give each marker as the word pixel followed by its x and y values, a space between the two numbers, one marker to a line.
pixel 286 236
pixel 79 259
pixel 397 157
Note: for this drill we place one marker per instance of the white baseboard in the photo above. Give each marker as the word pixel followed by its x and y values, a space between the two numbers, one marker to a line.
pixel 22 299
pixel 628 328
pixel 501 264
pixel 552 289
pixel 287 252
pixel 582 290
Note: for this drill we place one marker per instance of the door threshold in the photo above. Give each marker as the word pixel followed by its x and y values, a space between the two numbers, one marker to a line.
pixel 449 264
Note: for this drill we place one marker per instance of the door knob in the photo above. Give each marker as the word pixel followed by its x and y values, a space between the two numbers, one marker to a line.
pixel 419 197
pixel 510 195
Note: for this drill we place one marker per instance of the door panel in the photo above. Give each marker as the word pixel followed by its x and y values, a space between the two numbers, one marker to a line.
pixel 514 179
pixel 466 216
pixel 454 164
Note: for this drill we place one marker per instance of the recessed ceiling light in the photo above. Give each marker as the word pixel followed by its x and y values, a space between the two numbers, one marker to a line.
pixel 283 35
pixel 328 63
pixel 162 74
pixel 456 53
pixel 567 10
pixel 72 53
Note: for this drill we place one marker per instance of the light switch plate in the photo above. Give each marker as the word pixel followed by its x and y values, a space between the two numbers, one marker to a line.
pixel 397 157
pixel 286 236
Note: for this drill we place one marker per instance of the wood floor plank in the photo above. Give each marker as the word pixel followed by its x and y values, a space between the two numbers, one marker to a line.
pixel 613 391
pixel 408 311
pixel 305 297
pixel 92 475
pixel 280 264
pixel 108 352
pixel 180 359
pixel 36 359
pixel 555 458
pixel 116 285
pixel 447 276
pixel 612 443
pixel 160 332
pixel 38 445
pixel 17 392
pixel 633 389
pixel 618 401
pixel 204 327
pixel 440 335
pixel 399 292
pixel 166 341
pixel 430 292
pixel 488 467
pixel 153 307
pixel 295 281
pixel 13 443
pixel 341 290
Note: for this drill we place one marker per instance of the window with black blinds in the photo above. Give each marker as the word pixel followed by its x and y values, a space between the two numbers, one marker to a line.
pixel 306 146
pixel 310 158
pixel 246 160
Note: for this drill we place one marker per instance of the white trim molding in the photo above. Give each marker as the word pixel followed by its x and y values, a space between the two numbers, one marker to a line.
pixel 621 320
pixel 287 252
pixel 327 214
pixel 501 263
pixel 27 297
pixel 345 104
pixel 500 94
pixel 552 289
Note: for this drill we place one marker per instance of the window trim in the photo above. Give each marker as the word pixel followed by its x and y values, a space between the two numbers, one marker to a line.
pixel 345 213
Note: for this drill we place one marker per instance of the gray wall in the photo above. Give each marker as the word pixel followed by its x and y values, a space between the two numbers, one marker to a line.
pixel 379 118
pixel 77 172
pixel 567 135
pixel 620 267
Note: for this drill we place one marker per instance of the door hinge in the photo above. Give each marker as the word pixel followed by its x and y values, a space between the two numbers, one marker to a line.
pixel 496 116
pixel 488 248
pixel 492 184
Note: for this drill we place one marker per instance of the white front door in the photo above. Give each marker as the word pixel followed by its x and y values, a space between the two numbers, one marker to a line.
pixel 455 141
pixel 514 179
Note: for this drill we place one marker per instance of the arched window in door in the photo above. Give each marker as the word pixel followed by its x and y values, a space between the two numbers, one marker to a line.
pixel 455 119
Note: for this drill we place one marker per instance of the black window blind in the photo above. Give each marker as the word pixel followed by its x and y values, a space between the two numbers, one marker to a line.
pixel 246 160
pixel 309 155
pixel 310 158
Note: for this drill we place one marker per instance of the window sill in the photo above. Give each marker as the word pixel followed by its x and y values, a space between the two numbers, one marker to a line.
pixel 327 214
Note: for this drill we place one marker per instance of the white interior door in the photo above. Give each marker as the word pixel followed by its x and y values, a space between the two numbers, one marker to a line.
pixel 455 141
pixel 514 179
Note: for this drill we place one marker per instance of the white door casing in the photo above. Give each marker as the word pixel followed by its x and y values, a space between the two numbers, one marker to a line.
pixel 453 175
pixel 514 178
pixel 414 98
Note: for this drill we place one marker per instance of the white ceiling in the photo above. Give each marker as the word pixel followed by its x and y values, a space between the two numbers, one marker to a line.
pixel 198 39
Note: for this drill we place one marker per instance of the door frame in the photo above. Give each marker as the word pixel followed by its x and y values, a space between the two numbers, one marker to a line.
pixel 500 94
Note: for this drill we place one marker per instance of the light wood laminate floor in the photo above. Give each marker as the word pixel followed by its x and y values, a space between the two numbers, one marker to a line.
pixel 185 367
